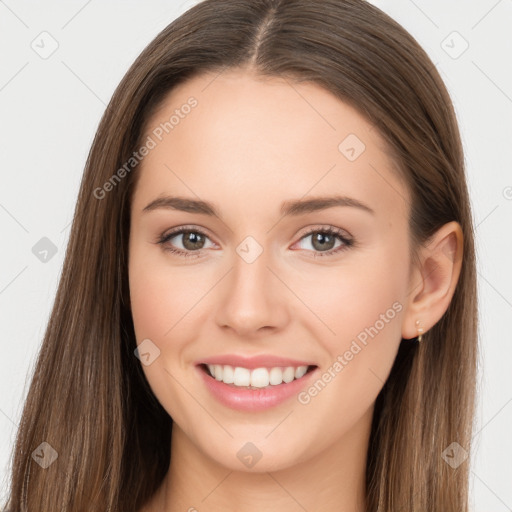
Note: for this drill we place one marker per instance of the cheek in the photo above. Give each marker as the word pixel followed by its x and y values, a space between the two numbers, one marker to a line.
pixel 355 296
pixel 160 294
pixel 363 308
pixel 362 305
pixel 160 298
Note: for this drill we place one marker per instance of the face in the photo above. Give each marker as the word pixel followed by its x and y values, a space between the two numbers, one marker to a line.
pixel 252 283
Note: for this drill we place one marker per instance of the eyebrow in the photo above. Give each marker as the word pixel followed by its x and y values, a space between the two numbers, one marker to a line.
pixel 290 207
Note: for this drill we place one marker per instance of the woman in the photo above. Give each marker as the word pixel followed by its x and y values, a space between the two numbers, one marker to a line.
pixel 270 276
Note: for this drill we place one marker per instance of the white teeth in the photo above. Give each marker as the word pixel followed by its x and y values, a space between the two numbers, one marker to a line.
pixel 300 371
pixel 276 376
pixel 218 371
pixel 228 377
pixel 260 378
pixel 289 374
pixel 257 378
pixel 242 377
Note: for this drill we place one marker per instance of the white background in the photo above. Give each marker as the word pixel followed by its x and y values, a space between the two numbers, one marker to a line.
pixel 50 109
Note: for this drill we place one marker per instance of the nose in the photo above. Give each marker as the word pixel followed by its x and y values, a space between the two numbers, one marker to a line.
pixel 252 301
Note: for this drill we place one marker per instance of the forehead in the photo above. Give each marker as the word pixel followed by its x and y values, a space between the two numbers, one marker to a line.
pixel 263 140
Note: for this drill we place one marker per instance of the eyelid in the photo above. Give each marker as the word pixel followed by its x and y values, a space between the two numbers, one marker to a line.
pixel 310 229
pixel 168 235
pixel 326 227
pixel 346 238
pixel 185 228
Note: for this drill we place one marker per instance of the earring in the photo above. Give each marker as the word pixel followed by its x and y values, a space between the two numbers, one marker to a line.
pixel 420 330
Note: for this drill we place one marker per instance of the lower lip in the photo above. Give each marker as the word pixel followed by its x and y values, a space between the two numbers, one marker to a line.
pixel 254 399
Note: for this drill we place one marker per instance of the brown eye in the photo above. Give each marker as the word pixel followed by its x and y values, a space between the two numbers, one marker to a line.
pixel 323 241
pixel 184 242
pixel 192 240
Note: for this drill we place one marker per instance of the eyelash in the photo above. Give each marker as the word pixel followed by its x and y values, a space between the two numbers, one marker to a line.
pixel 347 242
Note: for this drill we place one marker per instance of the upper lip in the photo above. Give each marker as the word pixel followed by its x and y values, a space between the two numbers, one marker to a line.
pixel 261 361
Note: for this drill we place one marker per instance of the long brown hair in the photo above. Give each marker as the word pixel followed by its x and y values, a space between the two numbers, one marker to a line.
pixel 88 397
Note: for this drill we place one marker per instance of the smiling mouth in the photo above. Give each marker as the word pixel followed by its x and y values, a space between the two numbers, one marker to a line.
pixel 257 378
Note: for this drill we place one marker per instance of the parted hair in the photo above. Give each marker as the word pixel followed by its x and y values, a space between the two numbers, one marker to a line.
pixel 88 397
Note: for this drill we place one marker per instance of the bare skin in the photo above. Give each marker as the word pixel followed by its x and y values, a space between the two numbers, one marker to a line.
pixel 249 145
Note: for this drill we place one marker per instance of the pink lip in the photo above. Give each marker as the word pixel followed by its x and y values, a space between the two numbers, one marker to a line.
pixel 254 399
pixel 261 361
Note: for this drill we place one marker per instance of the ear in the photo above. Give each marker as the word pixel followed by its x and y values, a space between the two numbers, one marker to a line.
pixel 432 283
